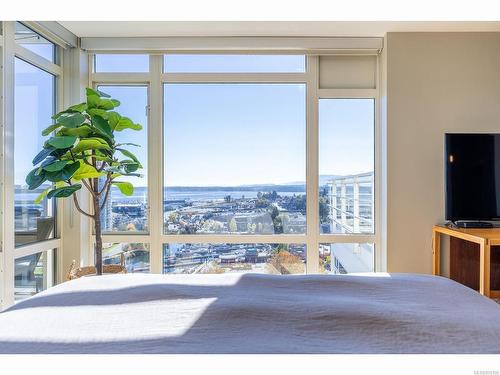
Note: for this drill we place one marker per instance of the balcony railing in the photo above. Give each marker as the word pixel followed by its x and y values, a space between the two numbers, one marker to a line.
pixel 351 202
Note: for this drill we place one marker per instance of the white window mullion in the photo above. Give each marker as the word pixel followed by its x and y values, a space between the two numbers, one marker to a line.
pixel 312 180
pixel 233 77
pixel 7 173
pixel 380 184
pixel 155 152
pixel 37 60
pixel 234 238
pixel 37 247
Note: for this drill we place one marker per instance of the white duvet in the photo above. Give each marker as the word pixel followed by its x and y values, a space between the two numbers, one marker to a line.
pixel 251 313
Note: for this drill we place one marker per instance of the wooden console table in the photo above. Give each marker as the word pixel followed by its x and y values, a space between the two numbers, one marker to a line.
pixel 474 257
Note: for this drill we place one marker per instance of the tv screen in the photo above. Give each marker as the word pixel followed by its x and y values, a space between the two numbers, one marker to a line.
pixel 472 177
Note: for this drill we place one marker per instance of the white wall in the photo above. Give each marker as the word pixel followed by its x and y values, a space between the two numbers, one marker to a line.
pixel 436 83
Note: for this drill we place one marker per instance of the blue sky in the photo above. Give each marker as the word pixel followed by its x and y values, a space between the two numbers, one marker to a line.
pixel 32 110
pixel 346 136
pixel 219 134
pixel 234 134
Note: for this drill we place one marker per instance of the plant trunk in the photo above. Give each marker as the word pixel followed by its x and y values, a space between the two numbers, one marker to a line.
pixel 98 234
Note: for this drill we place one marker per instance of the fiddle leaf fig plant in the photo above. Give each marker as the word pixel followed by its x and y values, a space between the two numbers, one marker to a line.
pixel 82 152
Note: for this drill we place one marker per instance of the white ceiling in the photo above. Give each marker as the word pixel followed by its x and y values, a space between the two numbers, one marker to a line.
pixel 265 28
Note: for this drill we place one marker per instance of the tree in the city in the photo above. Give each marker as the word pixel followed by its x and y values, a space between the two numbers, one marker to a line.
pixel 274 212
pixel 324 209
pixel 232 225
pixel 285 262
pixel 173 217
pixel 83 152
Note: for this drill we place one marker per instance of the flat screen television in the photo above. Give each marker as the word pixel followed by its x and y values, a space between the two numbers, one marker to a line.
pixel 472 177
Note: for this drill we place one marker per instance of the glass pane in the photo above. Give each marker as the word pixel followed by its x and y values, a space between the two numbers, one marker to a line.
pixel 34 105
pixel 340 258
pixel 346 165
pixel 135 255
pixel 33 273
pixel 194 63
pixel 116 63
pixel 123 213
pixel 234 158
pixel 29 39
pixel 234 258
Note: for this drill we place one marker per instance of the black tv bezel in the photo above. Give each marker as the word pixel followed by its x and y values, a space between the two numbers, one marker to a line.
pixel 447 178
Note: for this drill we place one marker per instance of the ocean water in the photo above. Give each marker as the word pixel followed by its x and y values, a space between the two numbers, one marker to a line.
pixel 218 194
pixel 140 194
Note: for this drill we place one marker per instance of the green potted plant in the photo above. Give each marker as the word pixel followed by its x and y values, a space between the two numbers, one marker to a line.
pixel 83 152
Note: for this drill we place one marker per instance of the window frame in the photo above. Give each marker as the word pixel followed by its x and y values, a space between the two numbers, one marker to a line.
pixel 10 50
pixel 156 78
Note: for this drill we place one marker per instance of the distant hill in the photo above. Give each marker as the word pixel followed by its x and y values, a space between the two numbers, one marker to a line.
pixel 296 186
pixel 262 188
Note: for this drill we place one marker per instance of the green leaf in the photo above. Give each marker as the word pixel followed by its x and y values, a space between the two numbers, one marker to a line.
pixel 93 101
pixel 56 166
pixel 132 167
pixel 102 125
pixel 34 180
pixel 42 195
pixel 86 171
pixel 48 161
pixel 126 123
pixel 78 107
pixel 50 129
pixel 82 131
pixel 64 174
pixel 62 141
pixel 42 155
pixel 126 188
pixel 113 118
pixel 108 104
pixel 74 108
pixel 128 154
pixel 63 192
pixel 98 93
pixel 90 144
pixel 98 112
pixel 72 120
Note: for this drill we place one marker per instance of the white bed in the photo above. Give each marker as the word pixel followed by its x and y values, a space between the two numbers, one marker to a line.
pixel 250 313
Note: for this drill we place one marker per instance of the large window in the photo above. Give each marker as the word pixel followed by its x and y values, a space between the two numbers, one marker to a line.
pixel 234 143
pixel 130 213
pixel 34 106
pixel 234 159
